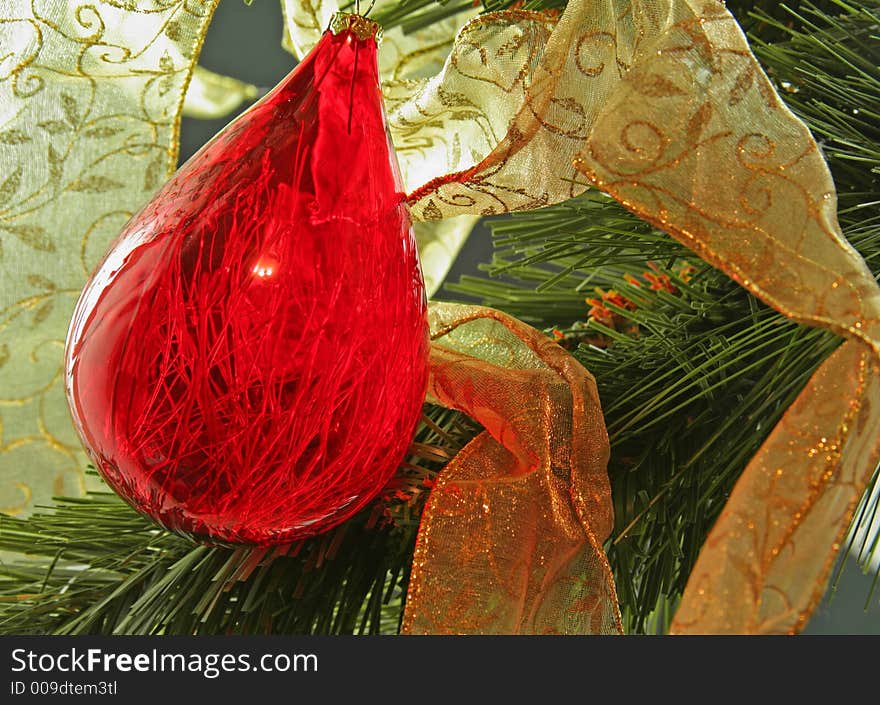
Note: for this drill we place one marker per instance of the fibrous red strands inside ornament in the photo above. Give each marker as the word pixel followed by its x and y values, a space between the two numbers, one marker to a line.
pixel 249 362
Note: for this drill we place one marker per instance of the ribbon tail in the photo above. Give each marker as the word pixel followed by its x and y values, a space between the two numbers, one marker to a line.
pixel 766 562
pixel 211 95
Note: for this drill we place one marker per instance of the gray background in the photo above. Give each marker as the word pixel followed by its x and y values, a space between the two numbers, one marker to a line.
pixel 245 42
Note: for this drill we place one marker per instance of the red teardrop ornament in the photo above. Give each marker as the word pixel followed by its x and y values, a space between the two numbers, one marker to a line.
pixel 249 362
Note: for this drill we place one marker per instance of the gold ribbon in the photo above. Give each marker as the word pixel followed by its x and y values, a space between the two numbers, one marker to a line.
pixel 511 536
pixel 90 103
pixel 661 104
pixel 717 160
pixel 211 95
pixel 765 565
pixel 657 102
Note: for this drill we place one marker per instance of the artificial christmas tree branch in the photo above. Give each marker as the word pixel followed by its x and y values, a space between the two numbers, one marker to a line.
pixel 737 365
pixel 108 570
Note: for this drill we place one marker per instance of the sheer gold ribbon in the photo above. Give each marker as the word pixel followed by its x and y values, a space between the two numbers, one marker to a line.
pixel 658 102
pixel 90 100
pixel 661 104
pixel 211 95
pixel 717 160
pixel 511 537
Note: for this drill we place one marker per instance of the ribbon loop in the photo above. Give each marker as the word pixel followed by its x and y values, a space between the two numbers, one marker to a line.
pixel 511 537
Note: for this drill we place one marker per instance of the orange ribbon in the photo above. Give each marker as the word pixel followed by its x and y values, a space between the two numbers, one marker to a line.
pixel 511 537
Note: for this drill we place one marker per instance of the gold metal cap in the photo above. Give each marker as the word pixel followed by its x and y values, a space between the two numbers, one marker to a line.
pixel 360 26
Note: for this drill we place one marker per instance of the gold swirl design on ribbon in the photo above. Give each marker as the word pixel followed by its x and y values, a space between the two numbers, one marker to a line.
pixel 91 97
pixel 686 131
pixel 696 141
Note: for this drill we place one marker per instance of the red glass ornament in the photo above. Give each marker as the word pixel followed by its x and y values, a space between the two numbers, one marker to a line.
pixel 249 362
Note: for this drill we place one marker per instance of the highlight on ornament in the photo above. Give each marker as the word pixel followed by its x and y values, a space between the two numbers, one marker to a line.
pixel 249 361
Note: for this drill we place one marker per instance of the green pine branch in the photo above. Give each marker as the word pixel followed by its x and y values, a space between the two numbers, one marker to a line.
pixel 693 381
pixel 92 565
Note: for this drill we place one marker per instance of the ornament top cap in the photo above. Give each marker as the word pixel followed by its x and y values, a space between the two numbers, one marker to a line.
pixel 358 25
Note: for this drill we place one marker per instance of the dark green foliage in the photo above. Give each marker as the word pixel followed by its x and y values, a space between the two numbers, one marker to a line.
pixel 690 398
pixel 112 571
